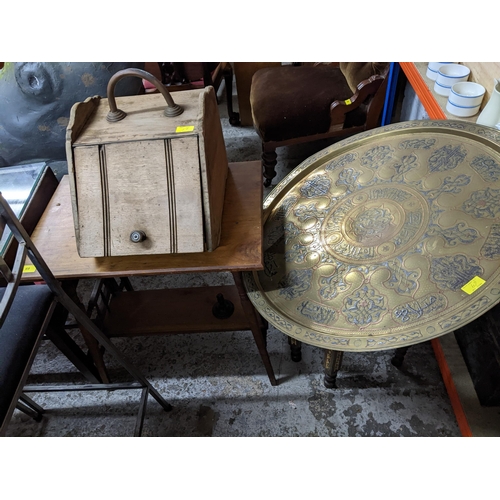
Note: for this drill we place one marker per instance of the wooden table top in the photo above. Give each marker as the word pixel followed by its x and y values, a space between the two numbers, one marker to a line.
pixel 240 247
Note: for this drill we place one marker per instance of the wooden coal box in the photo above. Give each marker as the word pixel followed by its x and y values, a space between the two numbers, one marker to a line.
pixel 149 183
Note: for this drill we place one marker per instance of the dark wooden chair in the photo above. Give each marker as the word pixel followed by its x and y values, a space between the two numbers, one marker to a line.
pixel 26 316
pixel 296 104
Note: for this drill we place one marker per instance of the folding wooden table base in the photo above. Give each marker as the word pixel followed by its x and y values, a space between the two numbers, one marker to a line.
pixel 240 250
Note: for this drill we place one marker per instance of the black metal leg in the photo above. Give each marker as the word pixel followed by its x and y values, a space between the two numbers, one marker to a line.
pixel 332 362
pixel 34 414
pixel 142 412
pixel 29 402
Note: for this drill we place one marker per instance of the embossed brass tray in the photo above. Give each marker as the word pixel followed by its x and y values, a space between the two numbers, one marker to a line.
pixel 385 239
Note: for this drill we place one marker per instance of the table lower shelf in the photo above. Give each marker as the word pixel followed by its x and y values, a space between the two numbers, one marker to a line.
pixel 185 310
pixel 177 310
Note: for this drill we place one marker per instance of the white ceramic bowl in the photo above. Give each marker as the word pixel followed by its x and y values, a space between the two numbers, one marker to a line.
pixel 462 111
pixel 433 68
pixel 467 94
pixel 448 75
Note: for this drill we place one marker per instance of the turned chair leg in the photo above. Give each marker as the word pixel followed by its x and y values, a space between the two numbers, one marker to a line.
pixel 295 349
pixel 332 362
pixel 269 162
pixel 234 118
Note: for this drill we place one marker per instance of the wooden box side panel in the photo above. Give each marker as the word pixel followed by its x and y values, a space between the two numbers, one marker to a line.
pixel 186 189
pixel 89 202
pixel 80 114
pixel 214 167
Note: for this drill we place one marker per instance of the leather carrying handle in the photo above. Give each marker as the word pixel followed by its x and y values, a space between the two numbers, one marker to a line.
pixel 115 114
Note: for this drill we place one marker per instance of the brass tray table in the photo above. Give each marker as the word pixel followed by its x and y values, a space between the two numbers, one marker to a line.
pixel 383 240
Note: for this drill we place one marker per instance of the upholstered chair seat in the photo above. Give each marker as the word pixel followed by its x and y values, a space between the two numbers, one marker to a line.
pixel 19 336
pixel 289 102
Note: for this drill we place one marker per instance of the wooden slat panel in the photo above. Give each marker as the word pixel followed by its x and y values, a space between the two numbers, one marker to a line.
pixel 89 201
pixel 213 162
pixel 133 204
pixel 156 194
pixel 187 193
pixel 80 114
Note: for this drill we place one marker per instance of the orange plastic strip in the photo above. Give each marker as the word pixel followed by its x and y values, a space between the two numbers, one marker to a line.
pixel 422 90
pixel 458 409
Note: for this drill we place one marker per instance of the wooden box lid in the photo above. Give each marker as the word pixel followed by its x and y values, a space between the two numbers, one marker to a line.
pixel 145 119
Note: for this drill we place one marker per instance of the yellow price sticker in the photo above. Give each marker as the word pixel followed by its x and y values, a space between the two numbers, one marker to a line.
pixel 29 268
pixel 473 285
pixel 187 128
pixel 347 102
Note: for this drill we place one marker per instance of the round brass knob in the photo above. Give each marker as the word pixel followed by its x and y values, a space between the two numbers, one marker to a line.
pixel 137 236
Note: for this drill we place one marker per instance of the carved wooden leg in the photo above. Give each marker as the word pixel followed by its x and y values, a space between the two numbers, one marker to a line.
pixel 268 165
pixel 295 349
pixel 332 362
pixel 399 356
pixel 256 326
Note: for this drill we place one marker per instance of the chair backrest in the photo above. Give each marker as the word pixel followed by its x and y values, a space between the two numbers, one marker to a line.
pixel 20 346
pixel 356 72
pixel 26 248
pixel 368 94
pixel 187 72
pixel 11 275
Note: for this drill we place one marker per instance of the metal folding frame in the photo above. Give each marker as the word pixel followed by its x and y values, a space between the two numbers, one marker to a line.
pixel 26 248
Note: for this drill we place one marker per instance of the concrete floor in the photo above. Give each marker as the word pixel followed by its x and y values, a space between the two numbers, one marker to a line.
pixel 218 386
